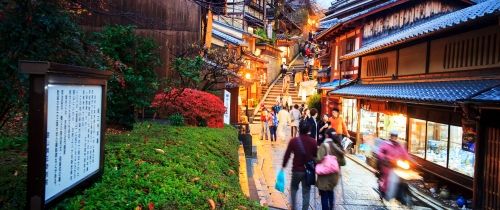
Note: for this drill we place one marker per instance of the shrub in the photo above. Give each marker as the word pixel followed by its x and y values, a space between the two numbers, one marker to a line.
pixel 132 59
pixel 176 119
pixel 197 107
pixel 314 101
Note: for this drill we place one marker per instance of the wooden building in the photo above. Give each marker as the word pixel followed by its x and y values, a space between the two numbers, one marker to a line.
pixel 174 24
pixel 431 71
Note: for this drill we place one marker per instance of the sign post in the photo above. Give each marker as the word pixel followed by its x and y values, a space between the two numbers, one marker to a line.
pixel 67 112
pixel 227 104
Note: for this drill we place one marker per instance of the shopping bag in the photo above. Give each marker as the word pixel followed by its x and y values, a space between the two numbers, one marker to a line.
pixel 280 181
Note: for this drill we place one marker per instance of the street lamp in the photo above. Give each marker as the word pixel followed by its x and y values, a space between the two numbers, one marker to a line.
pixel 248 76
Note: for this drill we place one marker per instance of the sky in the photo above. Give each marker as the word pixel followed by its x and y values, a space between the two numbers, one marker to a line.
pixel 324 3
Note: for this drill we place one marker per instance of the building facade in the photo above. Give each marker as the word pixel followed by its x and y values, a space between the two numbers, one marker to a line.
pixel 422 70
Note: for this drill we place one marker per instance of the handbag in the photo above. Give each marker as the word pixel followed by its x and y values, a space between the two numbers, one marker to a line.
pixel 329 163
pixel 310 172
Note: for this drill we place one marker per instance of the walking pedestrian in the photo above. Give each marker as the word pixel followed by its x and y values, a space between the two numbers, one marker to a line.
pixel 283 121
pixel 295 118
pixel 301 109
pixel 273 125
pixel 313 123
pixel 304 149
pixel 264 125
pixel 276 108
pixel 286 84
pixel 326 183
pixel 279 99
pixel 284 69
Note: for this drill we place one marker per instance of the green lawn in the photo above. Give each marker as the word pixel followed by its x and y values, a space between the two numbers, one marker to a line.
pixel 168 167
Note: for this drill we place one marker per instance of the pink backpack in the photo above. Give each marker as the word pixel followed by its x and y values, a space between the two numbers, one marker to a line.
pixel 329 164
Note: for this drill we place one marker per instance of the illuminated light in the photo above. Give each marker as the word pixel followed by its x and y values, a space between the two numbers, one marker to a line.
pixel 257 52
pixel 248 76
pixel 404 164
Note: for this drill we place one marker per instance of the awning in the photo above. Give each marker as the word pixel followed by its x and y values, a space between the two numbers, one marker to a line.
pixel 226 37
pixel 447 92
pixel 333 84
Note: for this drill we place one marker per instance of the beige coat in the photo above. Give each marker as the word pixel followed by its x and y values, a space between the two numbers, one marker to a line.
pixel 328 182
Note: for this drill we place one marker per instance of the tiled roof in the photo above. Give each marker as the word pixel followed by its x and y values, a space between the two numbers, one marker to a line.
pixel 334 22
pixel 491 95
pixel 434 92
pixel 346 5
pixel 226 37
pixel 328 23
pixel 333 84
pixel 227 25
pixel 441 23
pixel 281 36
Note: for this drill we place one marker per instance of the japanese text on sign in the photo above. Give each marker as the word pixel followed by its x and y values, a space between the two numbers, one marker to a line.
pixel 73 135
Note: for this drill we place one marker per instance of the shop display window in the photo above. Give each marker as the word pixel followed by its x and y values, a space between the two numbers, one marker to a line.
pixel 460 160
pixel 388 123
pixel 437 143
pixel 350 114
pixel 368 122
pixel 417 137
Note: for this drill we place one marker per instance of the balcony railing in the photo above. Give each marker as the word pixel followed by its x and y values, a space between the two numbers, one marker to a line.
pixel 255 6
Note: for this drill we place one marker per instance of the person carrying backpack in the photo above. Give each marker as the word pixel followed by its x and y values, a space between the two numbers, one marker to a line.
pixel 326 182
pixel 273 125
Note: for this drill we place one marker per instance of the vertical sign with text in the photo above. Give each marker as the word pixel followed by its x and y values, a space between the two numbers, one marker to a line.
pixel 227 104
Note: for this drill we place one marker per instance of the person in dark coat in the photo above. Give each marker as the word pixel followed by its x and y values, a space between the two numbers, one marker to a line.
pixel 313 124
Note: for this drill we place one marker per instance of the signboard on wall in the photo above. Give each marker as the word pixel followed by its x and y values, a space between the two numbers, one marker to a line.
pixel 227 104
pixel 67 111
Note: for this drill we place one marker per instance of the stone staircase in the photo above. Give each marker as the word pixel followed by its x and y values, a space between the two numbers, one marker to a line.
pixel 275 91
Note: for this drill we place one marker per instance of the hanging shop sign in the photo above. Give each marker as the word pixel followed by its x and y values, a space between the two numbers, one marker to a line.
pixel 469 135
pixel 67 111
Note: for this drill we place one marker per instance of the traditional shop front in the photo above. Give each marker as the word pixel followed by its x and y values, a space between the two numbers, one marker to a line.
pixel 427 118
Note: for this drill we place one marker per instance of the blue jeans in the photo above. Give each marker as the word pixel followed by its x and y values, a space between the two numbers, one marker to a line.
pixel 272 130
pixel 327 199
pixel 264 130
pixel 297 178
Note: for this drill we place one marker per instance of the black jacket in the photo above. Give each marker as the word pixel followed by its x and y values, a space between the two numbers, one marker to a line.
pixel 313 127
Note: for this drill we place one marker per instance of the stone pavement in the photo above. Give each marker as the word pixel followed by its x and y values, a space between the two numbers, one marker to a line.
pixel 354 192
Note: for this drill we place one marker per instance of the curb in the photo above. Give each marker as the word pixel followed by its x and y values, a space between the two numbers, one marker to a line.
pixel 271 86
pixel 359 162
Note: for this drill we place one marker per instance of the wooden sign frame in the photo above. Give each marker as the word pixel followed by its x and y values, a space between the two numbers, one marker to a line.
pixel 41 75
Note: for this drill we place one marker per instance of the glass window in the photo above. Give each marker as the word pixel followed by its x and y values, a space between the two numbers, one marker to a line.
pixel 350 114
pixel 388 123
pixel 460 160
pixel 417 137
pixel 437 143
pixel 368 122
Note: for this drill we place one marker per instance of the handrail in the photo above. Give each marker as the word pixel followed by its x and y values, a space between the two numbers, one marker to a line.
pixel 255 111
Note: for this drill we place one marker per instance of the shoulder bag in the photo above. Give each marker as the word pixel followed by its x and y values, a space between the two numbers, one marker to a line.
pixel 310 172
